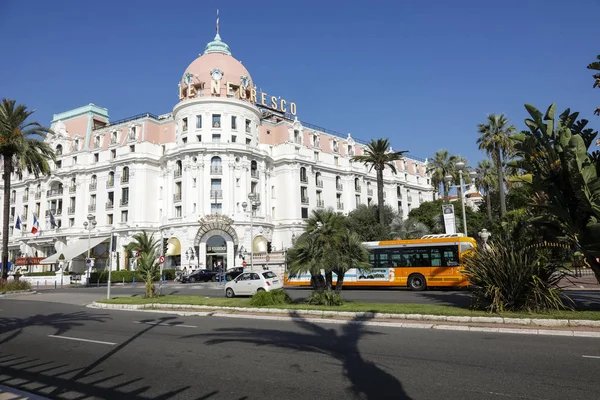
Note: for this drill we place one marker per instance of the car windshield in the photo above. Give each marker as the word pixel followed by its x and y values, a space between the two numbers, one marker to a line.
pixel 269 275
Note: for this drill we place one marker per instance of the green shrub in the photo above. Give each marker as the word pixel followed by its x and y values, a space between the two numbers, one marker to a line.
pixel 506 277
pixel 325 298
pixel 47 273
pixel 169 273
pixel 9 286
pixel 272 298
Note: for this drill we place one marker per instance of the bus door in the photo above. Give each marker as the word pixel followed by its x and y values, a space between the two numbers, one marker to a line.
pixel 412 260
pixel 444 261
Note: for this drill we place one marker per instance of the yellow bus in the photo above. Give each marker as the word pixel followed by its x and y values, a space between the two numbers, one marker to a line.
pixel 432 261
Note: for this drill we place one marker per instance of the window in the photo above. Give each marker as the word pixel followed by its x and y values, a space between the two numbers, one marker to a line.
pixel 178 211
pixel 216 138
pixel 164 149
pixel 59 150
pixel 248 141
pixel 109 219
pixel 194 208
pixel 357 199
pixel 132 148
pixel 435 256
pixel 125 177
pixel 113 138
pixel 198 121
pixel 59 164
pixel 216 120
pixel 71 222
pixel 296 136
pixel 193 182
pixel 96 157
pixel 316 156
pixel 248 128
pixel 184 140
pixel 125 196
pixel 233 139
pixel 233 123
pixel 268 132
pixel 303 176
pixel 184 125
pixel 304 211
pixel 75 160
pixel 336 160
pixel 198 138
pixel 272 192
pixel 124 215
pixel 216 208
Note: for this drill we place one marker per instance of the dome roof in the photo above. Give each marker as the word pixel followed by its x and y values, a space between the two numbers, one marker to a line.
pixel 216 56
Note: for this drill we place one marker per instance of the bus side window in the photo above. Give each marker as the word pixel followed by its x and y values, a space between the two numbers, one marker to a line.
pixel 436 257
pixel 450 256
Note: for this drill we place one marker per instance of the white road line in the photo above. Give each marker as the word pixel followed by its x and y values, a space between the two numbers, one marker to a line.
pixel 163 324
pixel 590 356
pixel 82 340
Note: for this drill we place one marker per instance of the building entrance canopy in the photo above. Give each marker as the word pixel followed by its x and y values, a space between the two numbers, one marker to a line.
pixel 75 249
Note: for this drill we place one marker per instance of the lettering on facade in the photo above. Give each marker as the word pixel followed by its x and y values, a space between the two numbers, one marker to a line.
pixel 239 91
pixel 216 249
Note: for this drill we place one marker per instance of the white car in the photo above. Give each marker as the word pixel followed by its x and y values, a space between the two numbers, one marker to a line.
pixel 249 283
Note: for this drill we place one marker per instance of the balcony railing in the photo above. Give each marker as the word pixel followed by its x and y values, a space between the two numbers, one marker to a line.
pixel 93 186
pixel 97 145
pixel 72 189
pixel 216 194
pixel 91 208
pixel 71 210
pixel 38 195
pixel 54 192
pixel 304 199
pixel 319 183
pixel 357 188
pixel 25 197
pixel 320 203
pixel 124 202
pixel 177 173
pixel 254 173
pixel 339 187
pixel 113 140
pixel 13 200
pixel 110 184
pixel 110 205
pixel 216 170
pixel 177 197
pixel 370 192
pixel 304 179
pixel 340 206
pixel 409 198
pixel 24 217
pixel 125 179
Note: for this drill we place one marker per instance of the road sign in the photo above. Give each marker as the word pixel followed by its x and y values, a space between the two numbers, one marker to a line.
pixel 244 264
pixel 88 261
pixel 268 258
pixel 161 259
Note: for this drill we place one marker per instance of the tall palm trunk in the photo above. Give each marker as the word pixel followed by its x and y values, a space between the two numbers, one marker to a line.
pixel 446 193
pixel 488 200
pixel 379 170
pixel 340 280
pixel 5 215
pixel 498 161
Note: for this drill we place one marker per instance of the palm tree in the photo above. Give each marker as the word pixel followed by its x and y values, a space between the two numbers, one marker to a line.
pixel 21 149
pixel 353 254
pixel 441 165
pixel 453 172
pixel 495 141
pixel 596 67
pixel 378 155
pixel 487 181
pixel 408 229
pixel 147 249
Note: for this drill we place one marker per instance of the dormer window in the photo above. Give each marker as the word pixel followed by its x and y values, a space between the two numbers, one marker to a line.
pixel 76 145
pixel 296 136
pixel 132 132
pixel 350 150
pixel 184 125
pixel 336 146
pixel 59 150
pixel 316 141
pixel 113 137
pixel 96 142
pixel 248 127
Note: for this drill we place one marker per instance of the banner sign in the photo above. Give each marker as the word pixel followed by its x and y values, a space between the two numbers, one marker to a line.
pixel 449 220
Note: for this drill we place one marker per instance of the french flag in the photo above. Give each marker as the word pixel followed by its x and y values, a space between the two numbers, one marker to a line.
pixel 36 226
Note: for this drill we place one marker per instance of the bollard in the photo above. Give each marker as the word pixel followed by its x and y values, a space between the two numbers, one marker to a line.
pixel 98 283
pixel 45 282
pixel 37 285
pixel 123 281
pixel 55 284
pixel 133 281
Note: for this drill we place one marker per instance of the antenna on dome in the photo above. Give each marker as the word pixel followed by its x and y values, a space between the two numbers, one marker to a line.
pixel 217 21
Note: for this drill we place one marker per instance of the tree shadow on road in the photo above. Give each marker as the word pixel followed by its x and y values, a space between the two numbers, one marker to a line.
pixel 368 380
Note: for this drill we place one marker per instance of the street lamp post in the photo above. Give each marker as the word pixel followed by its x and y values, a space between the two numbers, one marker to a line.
pixel 448 180
pixel 460 166
pixel 89 225
pixel 254 203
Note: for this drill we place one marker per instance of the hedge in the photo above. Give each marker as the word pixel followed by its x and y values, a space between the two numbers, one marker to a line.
pixel 126 275
pixel 47 273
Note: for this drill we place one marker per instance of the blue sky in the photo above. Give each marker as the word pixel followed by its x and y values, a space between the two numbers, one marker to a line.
pixel 422 73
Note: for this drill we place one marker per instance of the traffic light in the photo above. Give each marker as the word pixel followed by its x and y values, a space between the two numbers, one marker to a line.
pixel 269 248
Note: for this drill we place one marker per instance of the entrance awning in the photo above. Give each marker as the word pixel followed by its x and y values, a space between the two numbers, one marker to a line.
pixel 75 249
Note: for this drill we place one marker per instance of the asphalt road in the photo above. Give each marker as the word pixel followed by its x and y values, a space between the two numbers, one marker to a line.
pixel 586 299
pixel 127 355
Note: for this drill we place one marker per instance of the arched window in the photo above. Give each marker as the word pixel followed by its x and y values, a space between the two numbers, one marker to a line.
pixel 13 196
pixel 357 184
pixel 215 165
pixel 338 183
pixel 254 169
pixel 303 177
pixel 94 179
pixel 111 179
pixel 59 150
pixel 93 182
pixel 399 191
pixel 125 176
pixel 319 179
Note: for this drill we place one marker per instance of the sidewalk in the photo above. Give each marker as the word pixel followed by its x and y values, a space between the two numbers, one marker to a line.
pixel 580 283
pixel 7 393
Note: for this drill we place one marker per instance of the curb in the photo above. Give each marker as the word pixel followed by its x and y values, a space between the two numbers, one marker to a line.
pixel 322 317
pixel 17 293
pixel 22 395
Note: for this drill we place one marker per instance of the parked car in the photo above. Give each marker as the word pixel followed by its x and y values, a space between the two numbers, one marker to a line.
pixel 201 275
pixel 248 283
pixel 233 273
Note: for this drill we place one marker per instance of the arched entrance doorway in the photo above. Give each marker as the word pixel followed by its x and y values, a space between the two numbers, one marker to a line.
pixel 216 253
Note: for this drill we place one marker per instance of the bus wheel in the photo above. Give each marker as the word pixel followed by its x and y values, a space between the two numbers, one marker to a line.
pixel 417 282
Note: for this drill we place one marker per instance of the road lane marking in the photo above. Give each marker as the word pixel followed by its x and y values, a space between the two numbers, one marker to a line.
pixel 81 339
pixel 590 356
pixel 172 325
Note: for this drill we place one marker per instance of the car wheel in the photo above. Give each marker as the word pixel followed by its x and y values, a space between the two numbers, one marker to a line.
pixel 260 290
pixel 191 279
pixel 229 293
pixel 417 282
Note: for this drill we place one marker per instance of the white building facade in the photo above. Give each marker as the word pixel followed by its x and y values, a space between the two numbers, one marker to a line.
pixel 186 176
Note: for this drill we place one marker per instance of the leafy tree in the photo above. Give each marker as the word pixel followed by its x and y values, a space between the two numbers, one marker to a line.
pixel 364 221
pixel 439 166
pixel 495 140
pixel 596 67
pixel 564 177
pixel 378 155
pixel 21 150
pixel 486 181
pixel 408 229
pixel 146 250
pixel 430 214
